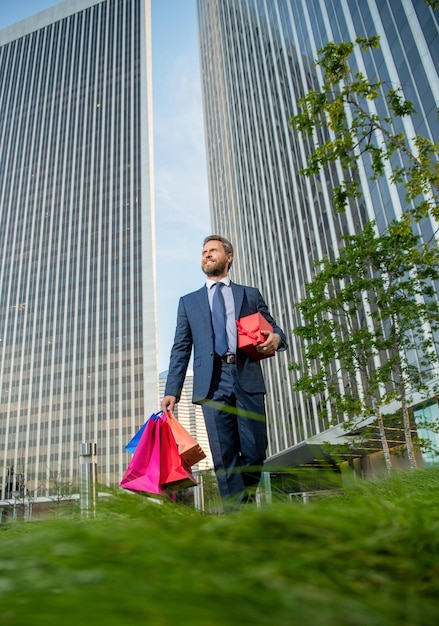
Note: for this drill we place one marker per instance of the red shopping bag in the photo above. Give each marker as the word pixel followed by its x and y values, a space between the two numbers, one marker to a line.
pixel 143 471
pixel 188 448
pixel 175 473
pixel 250 336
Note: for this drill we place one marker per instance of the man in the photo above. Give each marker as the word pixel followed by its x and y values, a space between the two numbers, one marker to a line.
pixel 227 383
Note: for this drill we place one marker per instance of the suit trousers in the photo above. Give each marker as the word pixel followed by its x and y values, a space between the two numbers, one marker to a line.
pixel 236 427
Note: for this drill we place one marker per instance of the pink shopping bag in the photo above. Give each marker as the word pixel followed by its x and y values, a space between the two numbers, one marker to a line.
pixel 143 471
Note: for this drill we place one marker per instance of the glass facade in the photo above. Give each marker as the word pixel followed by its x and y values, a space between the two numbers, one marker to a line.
pixel 424 416
pixel 78 332
pixel 257 60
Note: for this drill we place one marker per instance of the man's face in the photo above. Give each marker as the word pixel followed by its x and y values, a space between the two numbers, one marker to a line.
pixel 214 260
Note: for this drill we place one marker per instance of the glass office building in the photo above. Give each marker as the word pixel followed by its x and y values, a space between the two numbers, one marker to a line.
pixel 78 331
pixel 257 60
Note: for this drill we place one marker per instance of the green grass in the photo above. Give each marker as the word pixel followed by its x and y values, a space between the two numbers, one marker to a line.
pixel 367 558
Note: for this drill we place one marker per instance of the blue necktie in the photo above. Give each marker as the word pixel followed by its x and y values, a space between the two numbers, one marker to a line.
pixel 219 319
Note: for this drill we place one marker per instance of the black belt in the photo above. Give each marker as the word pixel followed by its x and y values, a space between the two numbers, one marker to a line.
pixel 226 358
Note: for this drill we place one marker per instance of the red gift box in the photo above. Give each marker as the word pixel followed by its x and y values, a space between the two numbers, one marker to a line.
pixel 250 336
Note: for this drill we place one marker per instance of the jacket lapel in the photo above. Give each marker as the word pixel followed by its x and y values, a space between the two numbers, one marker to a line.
pixel 203 303
pixel 238 294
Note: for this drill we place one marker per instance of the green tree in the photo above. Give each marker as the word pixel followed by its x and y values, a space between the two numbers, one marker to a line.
pixel 371 314
pixel 370 317
pixel 343 107
pixel 61 489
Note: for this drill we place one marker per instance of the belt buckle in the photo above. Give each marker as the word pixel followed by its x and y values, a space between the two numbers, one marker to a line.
pixel 229 358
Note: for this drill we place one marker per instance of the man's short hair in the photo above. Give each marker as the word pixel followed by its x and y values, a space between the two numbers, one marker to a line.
pixel 228 248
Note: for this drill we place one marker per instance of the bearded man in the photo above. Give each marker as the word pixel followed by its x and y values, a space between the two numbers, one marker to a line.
pixel 227 382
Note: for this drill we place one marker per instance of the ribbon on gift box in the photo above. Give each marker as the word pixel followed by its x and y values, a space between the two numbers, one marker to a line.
pixel 254 333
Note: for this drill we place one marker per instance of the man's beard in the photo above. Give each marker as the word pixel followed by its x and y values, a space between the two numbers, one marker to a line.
pixel 215 270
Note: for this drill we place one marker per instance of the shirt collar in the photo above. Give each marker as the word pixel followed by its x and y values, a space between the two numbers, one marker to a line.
pixel 210 282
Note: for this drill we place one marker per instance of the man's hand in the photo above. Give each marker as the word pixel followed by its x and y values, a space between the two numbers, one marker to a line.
pixel 271 343
pixel 168 404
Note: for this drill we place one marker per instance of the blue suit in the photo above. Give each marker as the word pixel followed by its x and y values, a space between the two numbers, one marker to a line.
pixel 238 442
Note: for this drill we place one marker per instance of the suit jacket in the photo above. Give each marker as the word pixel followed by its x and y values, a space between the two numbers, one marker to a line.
pixel 194 328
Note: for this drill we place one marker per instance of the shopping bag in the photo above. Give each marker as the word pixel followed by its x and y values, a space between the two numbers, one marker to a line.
pixel 143 471
pixel 175 473
pixel 133 442
pixel 188 448
pixel 250 336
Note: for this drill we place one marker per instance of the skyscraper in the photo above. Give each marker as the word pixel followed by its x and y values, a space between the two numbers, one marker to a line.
pixel 78 331
pixel 257 60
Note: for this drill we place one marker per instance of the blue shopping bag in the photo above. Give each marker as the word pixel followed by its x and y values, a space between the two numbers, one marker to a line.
pixel 132 444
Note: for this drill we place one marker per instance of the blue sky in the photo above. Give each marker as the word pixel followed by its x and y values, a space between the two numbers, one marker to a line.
pixel 181 193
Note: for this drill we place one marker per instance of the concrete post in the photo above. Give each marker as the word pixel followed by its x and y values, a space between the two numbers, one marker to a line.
pixel 199 494
pixel 87 478
pixel 266 483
